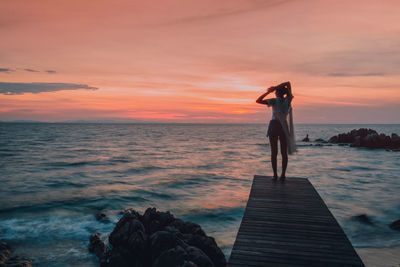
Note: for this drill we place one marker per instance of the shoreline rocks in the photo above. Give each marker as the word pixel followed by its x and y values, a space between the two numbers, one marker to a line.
pixel 156 239
pixel 6 260
pixel 367 138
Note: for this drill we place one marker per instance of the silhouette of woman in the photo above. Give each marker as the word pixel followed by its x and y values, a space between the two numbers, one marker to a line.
pixel 279 128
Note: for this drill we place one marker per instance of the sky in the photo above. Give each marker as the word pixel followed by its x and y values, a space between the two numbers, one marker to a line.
pixel 202 61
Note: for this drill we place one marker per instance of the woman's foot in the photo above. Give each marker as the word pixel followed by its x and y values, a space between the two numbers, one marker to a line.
pixel 283 177
pixel 275 177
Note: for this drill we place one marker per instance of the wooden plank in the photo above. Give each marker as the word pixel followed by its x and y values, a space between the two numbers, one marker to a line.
pixel 288 224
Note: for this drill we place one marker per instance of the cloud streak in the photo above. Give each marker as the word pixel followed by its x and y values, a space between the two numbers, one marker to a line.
pixel 36 88
pixel 5 70
pixel 31 70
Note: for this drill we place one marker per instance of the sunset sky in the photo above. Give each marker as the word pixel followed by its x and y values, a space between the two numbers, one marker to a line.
pixel 199 61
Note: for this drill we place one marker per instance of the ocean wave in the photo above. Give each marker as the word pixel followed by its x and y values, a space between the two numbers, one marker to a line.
pixel 144 169
pixel 59 184
pixel 53 227
pixel 228 214
pixel 190 180
pixel 71 164
pixel 94 203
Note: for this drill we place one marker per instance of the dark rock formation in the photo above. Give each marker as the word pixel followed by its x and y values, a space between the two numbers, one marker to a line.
pixel 5 252
pixel 102 217
pixel 395 225
pixel 156 239
pixel 98 247
pixel 367 138
pixel 363 218
pixel 306 139
pixel 320 140
pixel 14 261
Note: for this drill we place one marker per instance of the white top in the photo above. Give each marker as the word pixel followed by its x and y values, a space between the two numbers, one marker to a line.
pixel 279 105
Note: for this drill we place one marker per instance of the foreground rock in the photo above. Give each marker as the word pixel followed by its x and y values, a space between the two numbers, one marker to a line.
pixel 14 261
pixel 156 239
pixel 395 225
pixel 367 138
pixel 363 218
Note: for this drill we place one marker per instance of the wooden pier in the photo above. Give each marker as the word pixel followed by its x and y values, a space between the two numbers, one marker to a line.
pixel 288 224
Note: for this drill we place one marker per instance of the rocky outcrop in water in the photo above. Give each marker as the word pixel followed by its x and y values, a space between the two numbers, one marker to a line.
pixel 14 261
pixel 367 138
pixel 156 239
pixel 363 218
pixel 395 225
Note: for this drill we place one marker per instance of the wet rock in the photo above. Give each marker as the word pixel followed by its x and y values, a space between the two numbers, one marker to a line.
pixel 17 262
pixel 128 232
pixel 161 241
pixel 320 140
pixel 174 257
pixel 198 257
pixel 102 217
pixel 156 239
pixel 5 252
pixel 97 246
pixel 209 247
pixel 14 261
pixel 363 218
pixel 306 139
pixel 395 225
pixel 191 228
pixel 189 264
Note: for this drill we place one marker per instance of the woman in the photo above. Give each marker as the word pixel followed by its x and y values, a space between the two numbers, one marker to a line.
pixel 278 127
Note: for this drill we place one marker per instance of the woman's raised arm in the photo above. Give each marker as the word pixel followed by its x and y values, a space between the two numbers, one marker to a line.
pixel 260 99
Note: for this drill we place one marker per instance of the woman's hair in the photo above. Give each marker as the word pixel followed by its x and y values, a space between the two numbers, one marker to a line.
pixel 281 91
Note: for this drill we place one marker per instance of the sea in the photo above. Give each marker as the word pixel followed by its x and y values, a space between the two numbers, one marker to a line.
pixel 55 178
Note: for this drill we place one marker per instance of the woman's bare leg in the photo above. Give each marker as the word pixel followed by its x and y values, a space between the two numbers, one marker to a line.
pixel 273 141
pixel 284 156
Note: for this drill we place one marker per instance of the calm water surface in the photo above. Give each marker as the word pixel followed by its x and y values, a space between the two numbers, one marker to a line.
pixel 56 177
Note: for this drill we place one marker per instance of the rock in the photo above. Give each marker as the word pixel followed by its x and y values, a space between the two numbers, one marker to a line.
pixel 97 246
pixel 367 138
pixel 363 218
pixel 5 252
pixel 14 261
pixel 102 217
pixel 320 140
pixel 209 247
pixel 189 264
pixel 174 257
pixel 198 257
pixel 333 139
pixel 306 139
pixel 191 228
pixel 161 241
pixel 156 239
pixel 395 225
pixel 129 232
pixel 17 262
